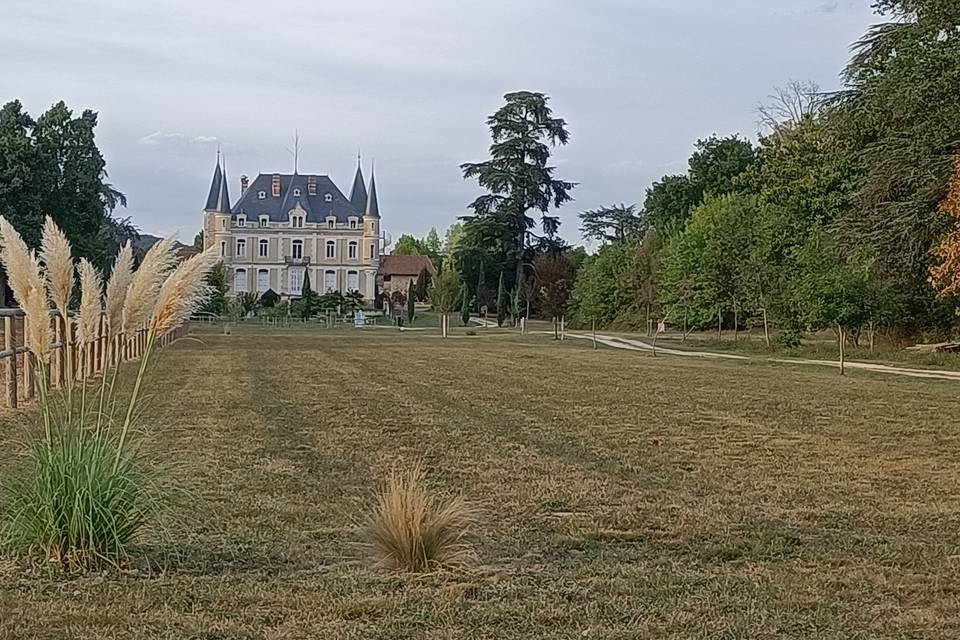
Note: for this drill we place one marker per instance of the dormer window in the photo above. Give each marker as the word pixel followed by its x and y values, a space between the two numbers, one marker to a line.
pixel 241 221
pixel 264 221
pixel 331 223
pixel 296 222
pixel 261 195
pixel 296 193
pixel 353 224
pixel 328 197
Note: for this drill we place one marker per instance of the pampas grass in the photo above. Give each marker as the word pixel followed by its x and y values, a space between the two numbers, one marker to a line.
pixel 182 292
pixel 91 304
pixel 56 255
pixel 145 285
pixel 117 287
pixel 26 280
pixel 411 529
pixel 82 492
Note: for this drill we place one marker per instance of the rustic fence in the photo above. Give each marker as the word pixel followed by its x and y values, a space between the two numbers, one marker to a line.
pixel 88 361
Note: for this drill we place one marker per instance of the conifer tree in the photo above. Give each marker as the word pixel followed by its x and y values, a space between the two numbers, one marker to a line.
pixel 465 306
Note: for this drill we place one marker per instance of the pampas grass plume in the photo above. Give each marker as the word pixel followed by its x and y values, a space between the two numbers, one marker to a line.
pixel 181 292
pixel 57 257
pixel 91 293
pixel 117 287
pixel 29 288
pixel 145 285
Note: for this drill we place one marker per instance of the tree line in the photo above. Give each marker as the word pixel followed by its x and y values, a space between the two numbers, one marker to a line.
pixel 833 218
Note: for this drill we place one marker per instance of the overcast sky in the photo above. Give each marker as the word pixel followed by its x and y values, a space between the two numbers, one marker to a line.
pixel 409 84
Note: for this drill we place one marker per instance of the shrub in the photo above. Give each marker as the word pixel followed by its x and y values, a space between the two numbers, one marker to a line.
pixel 412 530
pixel 82 492
pixel 68 501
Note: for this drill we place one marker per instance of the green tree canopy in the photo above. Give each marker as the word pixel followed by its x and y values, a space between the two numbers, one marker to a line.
pixel 517 177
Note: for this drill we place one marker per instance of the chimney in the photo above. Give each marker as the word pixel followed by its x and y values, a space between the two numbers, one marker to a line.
pixel 244 184
pixel 276 185
pixel 312 185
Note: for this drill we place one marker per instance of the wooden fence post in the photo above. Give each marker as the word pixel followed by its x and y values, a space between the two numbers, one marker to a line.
pixel 10 345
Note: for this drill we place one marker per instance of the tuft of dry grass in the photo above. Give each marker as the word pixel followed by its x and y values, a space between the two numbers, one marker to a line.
pixel 413 530
pixel 56 255
pixel 26 280
pixel 117 287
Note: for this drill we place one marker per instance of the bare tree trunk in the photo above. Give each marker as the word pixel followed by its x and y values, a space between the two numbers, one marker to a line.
pixel 556 328
pixel 719 325
pixel 594 335
pixel 842 361
pixel 766 329
pixel 648 320
pixel 872 336
pixel 563 327
pixel 685 334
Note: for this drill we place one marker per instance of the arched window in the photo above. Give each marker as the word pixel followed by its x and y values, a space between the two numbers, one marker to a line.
pixel 241 248
pixel 353 281
pixel 261 195
pixel 264 248
pixel 331 249
pixel 352 250
pixel 296 193
pixel 330 281
pixel 263 280
pixel 297 249
pixel 240 281
pixel 328 198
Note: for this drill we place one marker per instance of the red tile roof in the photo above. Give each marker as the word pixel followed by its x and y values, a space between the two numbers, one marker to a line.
pixel 406 265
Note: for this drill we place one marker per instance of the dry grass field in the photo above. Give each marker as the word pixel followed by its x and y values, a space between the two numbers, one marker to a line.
pixel 623 496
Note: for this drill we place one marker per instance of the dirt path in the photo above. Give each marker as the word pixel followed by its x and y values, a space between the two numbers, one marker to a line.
pixel 640 345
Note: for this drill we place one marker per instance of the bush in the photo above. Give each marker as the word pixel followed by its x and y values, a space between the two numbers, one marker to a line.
pixel 411 530
pixel 68 501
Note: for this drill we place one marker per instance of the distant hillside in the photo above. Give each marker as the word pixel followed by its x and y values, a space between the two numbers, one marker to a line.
pixel 145 241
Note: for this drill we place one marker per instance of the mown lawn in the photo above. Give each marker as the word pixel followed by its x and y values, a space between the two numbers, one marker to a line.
pixel 623 496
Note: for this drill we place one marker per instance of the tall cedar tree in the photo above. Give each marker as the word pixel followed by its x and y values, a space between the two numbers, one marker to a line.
pixel 945 274
pixel 612 224
pixel 517 175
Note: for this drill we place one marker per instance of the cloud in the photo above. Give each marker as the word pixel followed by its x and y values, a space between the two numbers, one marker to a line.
pixel 830 6
pixel 161 138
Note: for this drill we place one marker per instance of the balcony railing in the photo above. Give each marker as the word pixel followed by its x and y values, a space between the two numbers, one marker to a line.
pixel 296 262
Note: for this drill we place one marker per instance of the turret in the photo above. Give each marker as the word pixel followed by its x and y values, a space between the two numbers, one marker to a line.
pixel 216 212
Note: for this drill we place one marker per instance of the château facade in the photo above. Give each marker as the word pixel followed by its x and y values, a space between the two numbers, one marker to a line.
pixel 287 226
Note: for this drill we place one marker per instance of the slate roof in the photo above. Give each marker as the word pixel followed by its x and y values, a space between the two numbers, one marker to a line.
pixel 358 194
pixel 278 207
pixel 373 205
pixel 219 197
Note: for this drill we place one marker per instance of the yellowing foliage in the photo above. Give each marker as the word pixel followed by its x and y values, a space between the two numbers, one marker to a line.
pixel 945 275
